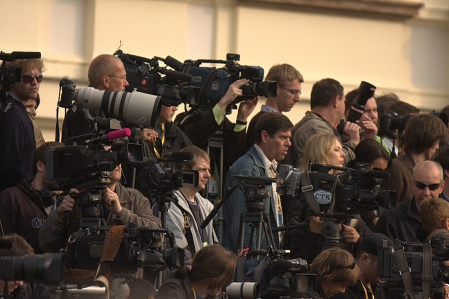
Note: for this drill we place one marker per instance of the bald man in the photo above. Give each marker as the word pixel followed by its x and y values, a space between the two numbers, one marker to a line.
pixel 106 72
pixel 403 221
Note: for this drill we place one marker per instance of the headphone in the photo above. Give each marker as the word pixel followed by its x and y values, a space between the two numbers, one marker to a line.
pixel 46 196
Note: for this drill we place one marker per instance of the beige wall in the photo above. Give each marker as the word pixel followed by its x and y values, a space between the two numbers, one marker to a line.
pixel 409 57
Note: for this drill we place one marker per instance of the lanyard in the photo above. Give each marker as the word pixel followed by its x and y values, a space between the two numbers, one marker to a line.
pixel 162 142
pixel 366 293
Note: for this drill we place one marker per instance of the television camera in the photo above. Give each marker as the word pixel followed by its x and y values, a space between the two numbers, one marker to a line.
pixel 13 74
pixel 147 76
pixel 425 269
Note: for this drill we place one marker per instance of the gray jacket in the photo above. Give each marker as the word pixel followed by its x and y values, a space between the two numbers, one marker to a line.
pixel 175 221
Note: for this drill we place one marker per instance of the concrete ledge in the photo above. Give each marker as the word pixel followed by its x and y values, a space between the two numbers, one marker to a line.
pixel 386 9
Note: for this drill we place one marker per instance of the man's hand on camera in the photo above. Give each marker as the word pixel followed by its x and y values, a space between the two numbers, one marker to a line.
pixel 316 225
pixel 351 132
pixel 149 135
pixel 368 126
pixel 246 108
pixel 233 92
pixel 350 234
pixel 67 204
pixel 111 201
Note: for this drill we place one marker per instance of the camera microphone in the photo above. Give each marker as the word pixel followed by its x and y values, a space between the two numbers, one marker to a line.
pixel 178 156
pixel 19 55
pixel 184 77
pixel 126 132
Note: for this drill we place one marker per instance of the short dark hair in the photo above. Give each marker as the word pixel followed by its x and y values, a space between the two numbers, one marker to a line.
pixel 384 100
pixel 212 264
pixel 272 123
pixel 368 150
pixel 41 151
pixel 324 91
pixel 445 110
pixel 442 157
pixel 20 246
pixel 422 132
pixel 140 288
pixel 350 98
pixel 401 108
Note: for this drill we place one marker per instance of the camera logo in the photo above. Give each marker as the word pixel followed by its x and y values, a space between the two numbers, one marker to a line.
pixel 323 197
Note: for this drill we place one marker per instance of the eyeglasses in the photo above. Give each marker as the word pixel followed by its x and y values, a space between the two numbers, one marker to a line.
pixel 293 92
pixel 28 79
pixel 124 77
pixel 422 186
pixel 351 266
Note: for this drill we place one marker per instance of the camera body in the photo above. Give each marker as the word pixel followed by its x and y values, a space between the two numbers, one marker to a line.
pixel 214 82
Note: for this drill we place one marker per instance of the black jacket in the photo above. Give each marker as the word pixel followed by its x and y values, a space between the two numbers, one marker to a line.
pixel 17 142
pixel 401 223
pixel 357 292
pixel 22 212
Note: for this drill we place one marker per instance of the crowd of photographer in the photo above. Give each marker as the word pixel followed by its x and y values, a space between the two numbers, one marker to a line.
pixel 136 186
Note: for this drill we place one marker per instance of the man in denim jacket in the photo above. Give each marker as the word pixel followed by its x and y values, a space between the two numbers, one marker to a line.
pixel 272 140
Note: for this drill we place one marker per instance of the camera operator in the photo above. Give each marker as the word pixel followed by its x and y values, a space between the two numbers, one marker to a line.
pixel 422 135
pixel 199 130
pixel 272 134
pixel 117 202
pixel 368 285
pixel 166 137
pixel 106 72
pixel 327 103
pixel 369 118
pixel 25 207
pixel 212 270
pixel 16 128
pixel 443 159
pixel 17 289
pixel 402 222
pixel 288 94
pixel 189 208
pixel 335 270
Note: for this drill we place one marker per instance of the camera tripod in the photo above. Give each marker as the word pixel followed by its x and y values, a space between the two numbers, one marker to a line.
pixel 259 223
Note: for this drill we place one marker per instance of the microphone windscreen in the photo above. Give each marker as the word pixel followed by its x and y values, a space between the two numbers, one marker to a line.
pixel 25 55
pixel 119 134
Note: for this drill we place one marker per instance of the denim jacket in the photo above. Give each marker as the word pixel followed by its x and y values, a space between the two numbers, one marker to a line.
pixel 249 164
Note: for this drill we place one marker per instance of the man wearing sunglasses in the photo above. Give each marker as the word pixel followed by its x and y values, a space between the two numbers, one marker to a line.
pixel 403 222
pixel 16 129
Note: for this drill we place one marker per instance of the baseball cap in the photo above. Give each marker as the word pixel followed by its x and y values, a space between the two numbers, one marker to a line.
pixel 369 243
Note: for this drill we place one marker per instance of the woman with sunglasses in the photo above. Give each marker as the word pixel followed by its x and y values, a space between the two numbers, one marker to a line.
pixel 335 269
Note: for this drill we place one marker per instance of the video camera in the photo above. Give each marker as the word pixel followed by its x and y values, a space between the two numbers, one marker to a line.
pixel 147 76
pixel 13 74
pixel 347 192
pixel 388 267
pixel 138 249
pixel 393 126
pixel 214 82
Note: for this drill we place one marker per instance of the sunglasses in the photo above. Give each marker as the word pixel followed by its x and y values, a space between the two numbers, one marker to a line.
pixel 351 266
pixel 28 79
pixel 422 186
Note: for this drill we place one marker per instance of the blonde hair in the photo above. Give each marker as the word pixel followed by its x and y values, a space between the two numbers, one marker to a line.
pixel 334 265
pixel 316 149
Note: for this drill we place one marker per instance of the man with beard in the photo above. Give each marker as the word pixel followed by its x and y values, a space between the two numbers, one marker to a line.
pixel 403 221
pixel 368 284
pixel 24 207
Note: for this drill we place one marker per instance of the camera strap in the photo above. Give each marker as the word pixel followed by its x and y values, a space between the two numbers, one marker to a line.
pixel 404 269
pixel 427 269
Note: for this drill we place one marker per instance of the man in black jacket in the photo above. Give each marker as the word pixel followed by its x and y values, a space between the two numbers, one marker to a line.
pixel 16 129
pixel 368 284
pixel 25 207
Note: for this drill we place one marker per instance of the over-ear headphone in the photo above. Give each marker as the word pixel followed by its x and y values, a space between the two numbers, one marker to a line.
pixel 46 196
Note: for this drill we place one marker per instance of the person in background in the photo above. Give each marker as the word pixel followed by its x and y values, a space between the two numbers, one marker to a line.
pixel 31 105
